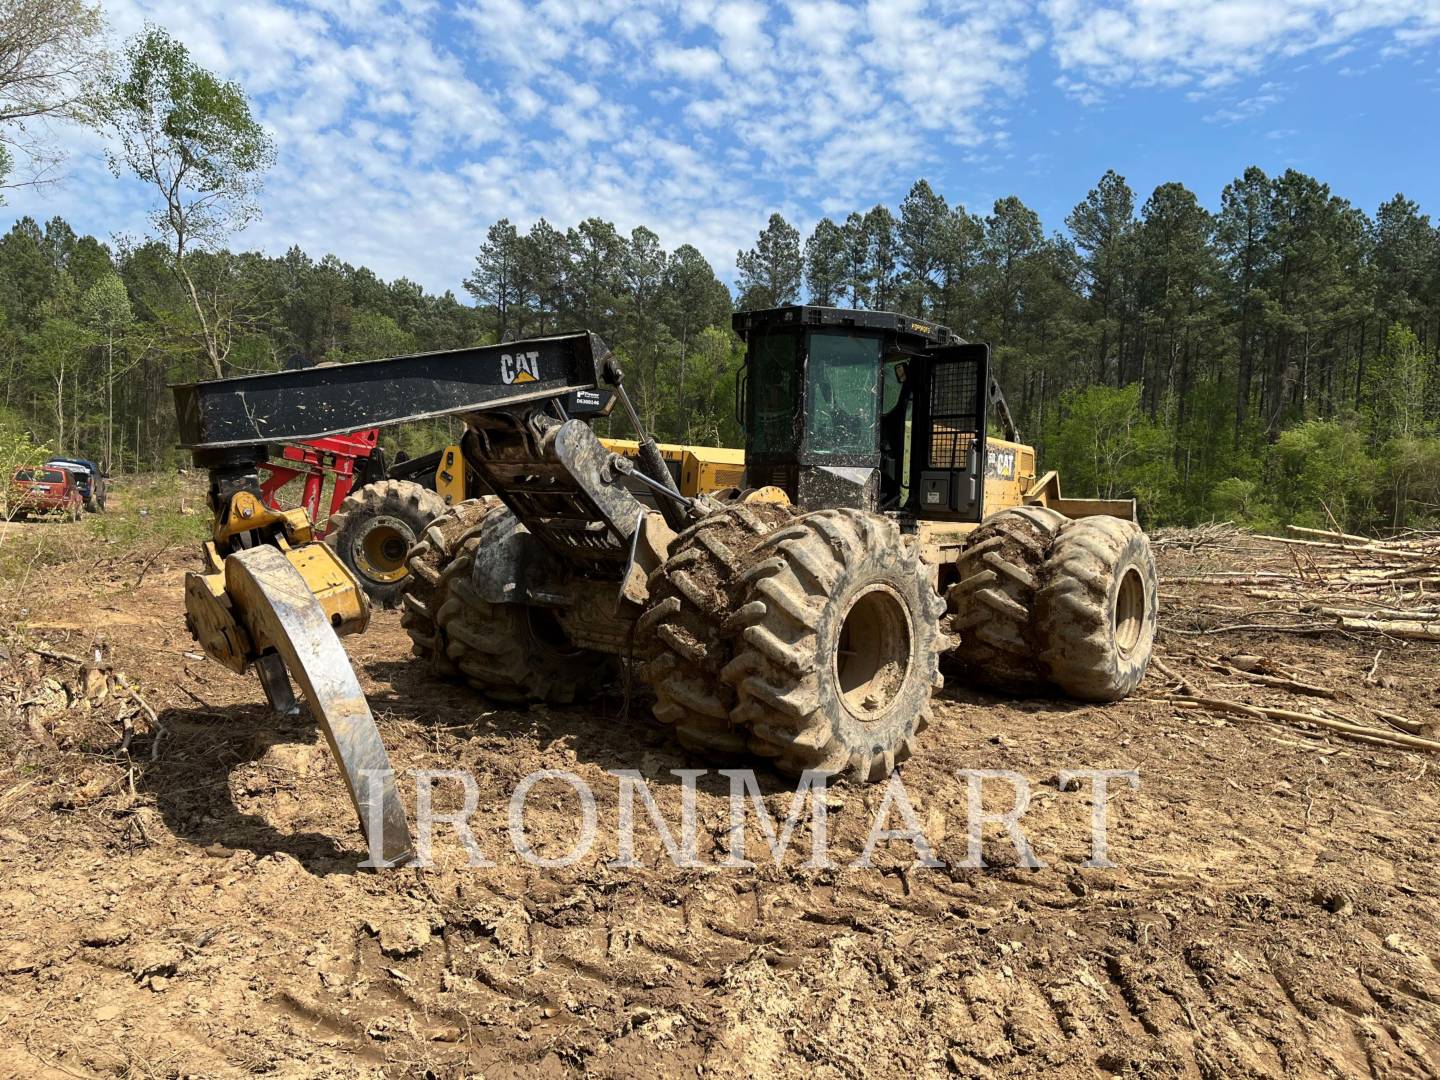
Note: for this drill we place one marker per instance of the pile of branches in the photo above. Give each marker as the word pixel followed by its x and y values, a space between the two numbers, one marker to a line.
pixel 1321 719
pixel 1343 582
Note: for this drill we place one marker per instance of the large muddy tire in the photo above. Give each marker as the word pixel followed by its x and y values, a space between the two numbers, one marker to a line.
pixel 839 645
pixel 1098 606
pixel 422 596
pixel 374 530
pixel 680 632
pixel 515 653
pixel 993 603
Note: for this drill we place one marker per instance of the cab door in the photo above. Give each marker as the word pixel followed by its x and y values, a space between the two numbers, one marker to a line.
pixel 948 460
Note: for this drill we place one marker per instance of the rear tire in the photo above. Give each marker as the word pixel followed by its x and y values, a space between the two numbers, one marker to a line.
pixel 1098 608
pixel 993 603
pixel 423 595
pixel 680 630
pixel 839 645
pixel 374 530
pixel 515 653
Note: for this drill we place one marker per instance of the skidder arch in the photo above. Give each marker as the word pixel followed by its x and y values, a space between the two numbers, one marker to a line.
pixel 837 645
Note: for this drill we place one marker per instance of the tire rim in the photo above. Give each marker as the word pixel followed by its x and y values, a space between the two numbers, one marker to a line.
pixel 1129 617
pixel 873 654
pixel 381 547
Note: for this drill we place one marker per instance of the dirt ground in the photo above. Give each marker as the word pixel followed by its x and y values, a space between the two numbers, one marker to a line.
pixel 190 905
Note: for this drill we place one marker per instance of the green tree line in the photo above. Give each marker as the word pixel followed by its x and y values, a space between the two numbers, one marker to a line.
pixel 1270 362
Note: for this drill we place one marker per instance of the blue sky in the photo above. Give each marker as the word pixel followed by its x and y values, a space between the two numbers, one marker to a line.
pixel 404 128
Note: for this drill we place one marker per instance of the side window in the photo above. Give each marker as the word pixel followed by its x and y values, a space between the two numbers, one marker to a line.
pixel 772 393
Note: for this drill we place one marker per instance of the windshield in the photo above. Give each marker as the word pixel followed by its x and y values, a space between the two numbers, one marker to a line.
pixel 40 476
pixel 843 377
pixel 772 391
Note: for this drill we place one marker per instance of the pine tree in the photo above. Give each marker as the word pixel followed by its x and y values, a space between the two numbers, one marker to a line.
pixel 1103 226
pixel 495 279
pixel 921 234
pixel 883 269
pixel 770 272
pixel 825 264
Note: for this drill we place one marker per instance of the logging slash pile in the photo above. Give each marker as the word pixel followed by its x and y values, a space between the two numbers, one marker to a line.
pixel 1390 586
pixel 1317 583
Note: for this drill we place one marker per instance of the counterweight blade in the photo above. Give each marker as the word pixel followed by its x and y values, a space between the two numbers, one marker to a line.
pixel 278 609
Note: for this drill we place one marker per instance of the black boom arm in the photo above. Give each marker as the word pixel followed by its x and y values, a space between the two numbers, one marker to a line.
pixel 290 406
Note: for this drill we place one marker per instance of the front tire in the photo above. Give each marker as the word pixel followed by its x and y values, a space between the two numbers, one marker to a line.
pixel 374 530
pixel 839 645
pixel 424 592
pixel 680 631
pixel 1098 608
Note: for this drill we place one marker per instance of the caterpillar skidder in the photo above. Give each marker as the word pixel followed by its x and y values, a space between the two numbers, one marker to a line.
pixel 803 618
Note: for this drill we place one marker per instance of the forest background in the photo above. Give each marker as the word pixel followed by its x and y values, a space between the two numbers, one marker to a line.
pixel 1269 363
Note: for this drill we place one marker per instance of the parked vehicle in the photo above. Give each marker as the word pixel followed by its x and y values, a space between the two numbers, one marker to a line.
pixel 90 477
pixel 44 489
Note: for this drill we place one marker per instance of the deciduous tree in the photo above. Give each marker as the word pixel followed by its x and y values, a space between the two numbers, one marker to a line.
pixel 192 138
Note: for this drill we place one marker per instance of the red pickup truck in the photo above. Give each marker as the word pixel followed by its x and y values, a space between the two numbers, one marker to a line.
pixel 44 489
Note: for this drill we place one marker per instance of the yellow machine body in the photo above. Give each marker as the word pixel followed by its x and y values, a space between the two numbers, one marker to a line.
pixel 697 470
pixel 225 634
pixel 450 477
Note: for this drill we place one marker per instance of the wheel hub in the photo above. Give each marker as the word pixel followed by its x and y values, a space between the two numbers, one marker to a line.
pixel 1128 618
pixel 873 653
pixel 381 547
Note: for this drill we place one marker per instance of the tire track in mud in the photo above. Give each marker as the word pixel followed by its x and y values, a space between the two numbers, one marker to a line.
pixel 1275 914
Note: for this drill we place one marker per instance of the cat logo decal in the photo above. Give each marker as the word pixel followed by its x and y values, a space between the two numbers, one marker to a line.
pixel 520 367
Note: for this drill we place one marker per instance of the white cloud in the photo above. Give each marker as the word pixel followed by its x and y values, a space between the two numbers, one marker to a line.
pixel 405 127
pixel 1103 43
pixel 1247 108
pixel 692 63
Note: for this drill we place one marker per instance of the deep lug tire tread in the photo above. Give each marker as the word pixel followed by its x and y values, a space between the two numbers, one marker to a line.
pixel 798 584
pixel 681 631
pixel 1075 606
pixel 993 604
pixel 492 646
pixel 422 596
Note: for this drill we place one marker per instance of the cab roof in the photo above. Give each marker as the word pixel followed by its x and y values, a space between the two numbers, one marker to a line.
pixel 906 329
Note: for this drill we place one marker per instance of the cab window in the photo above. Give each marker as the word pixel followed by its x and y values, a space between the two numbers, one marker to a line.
pixel 771 387
pixel 843 383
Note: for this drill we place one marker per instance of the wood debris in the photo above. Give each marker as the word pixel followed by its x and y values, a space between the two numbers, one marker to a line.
pixel 1327 581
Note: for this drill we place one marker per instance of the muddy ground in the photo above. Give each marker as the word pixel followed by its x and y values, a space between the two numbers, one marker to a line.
pixel 190 905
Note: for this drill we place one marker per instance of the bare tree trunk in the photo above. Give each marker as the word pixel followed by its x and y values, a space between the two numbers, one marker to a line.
pixel 110 401
pixel 60 409
pixel 212 345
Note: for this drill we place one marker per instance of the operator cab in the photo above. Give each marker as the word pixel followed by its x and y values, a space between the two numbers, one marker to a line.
pixel 865 409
